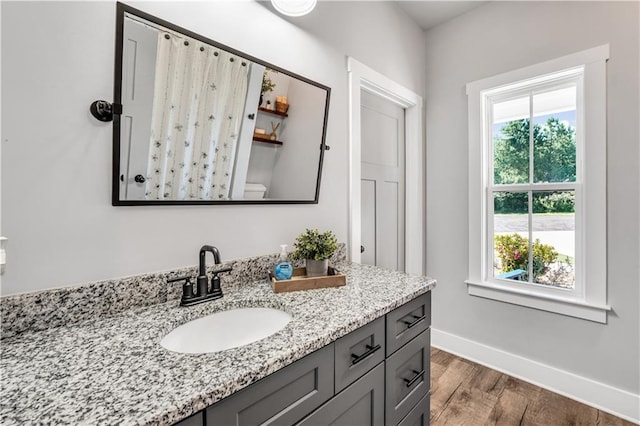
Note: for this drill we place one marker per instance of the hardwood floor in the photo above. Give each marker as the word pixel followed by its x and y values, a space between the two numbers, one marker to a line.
pixel 465 393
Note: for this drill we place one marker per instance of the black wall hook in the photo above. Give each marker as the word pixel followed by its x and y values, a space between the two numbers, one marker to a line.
pixel 102 110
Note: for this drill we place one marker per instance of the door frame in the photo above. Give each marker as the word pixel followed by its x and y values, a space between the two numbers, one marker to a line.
pixel 361 77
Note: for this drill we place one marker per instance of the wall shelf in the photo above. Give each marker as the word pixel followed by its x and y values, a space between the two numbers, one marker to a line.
pixel 266 139
pixel 273 111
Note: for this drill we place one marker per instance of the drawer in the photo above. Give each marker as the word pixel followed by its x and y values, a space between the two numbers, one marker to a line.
pixel 407 377
pixel 420 414
pixel 282 398
pixel 360 404
pixel 358 352
pixel 407 321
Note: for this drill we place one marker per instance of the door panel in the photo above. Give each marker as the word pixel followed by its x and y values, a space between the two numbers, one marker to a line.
pixel 368 235
pixel 382 177
pixel 388 252
pixel 138 80
pixel 379 136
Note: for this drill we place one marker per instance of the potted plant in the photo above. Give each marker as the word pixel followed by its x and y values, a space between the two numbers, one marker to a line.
pixel 315 248
pixel 267 85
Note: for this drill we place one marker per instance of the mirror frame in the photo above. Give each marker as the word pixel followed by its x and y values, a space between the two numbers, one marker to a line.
pixel 121 10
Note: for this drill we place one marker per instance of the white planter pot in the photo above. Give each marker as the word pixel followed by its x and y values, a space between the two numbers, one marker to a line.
pixel 316 268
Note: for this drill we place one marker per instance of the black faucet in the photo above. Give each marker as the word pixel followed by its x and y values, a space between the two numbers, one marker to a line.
pixel 202 285
pixel 203 291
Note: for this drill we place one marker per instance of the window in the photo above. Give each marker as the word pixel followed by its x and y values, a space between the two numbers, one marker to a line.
pixel 537 190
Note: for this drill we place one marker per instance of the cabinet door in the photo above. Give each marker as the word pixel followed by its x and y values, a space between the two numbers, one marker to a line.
pixel 360 404
pixel 358 352
pixel 420 414
pixel 407 378
pixel 407 321
pixel 282 398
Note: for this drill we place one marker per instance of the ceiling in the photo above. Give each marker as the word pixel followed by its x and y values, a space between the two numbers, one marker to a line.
pixel 428 13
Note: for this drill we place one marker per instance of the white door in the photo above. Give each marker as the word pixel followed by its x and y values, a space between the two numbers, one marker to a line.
pixel 382 182
pixel 138 79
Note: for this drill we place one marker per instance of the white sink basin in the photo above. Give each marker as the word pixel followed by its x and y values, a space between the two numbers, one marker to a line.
pixel 225 330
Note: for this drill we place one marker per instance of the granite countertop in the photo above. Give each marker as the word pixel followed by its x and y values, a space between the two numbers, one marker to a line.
pixel 112 370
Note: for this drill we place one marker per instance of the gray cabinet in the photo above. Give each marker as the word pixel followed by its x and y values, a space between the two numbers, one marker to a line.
pixel 195 420
pixel 358 352
pixel 419 416
pixel 282 398
pixel 378 374
pixel 407 321
pixel 360 404
pixel 407 378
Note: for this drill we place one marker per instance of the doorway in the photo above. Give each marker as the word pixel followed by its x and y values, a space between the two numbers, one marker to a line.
pixel 366 86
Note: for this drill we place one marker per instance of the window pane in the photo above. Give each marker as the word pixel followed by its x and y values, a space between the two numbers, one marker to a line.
pixel 510 235
pixel 554 238
pixel 510 135
pixel 554 135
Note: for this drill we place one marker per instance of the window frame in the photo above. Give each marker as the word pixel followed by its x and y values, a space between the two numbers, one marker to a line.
pixel 588 298
pixel 566 78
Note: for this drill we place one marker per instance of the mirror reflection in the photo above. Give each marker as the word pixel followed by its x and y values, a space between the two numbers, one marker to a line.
pixel 202 124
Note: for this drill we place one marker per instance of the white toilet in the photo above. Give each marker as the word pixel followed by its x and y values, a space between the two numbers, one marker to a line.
pixel 254 191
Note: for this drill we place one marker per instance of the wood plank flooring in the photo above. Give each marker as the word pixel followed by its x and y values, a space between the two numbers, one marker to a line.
pixel 465 393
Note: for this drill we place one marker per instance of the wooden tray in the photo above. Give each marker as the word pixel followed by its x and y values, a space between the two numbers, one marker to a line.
pixel 300 281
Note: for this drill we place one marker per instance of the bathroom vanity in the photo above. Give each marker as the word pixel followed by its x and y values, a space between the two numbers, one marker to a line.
pixel 377 374
pixel 357 354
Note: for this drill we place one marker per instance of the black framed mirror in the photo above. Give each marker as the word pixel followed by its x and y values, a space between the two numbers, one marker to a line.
pixel 197 122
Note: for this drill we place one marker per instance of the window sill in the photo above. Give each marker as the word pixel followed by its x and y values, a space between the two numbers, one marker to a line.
pixel 572 308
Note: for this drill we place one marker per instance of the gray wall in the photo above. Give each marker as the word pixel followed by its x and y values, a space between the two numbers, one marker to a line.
pixel 57 57
pixel 296 167
pixel 501 37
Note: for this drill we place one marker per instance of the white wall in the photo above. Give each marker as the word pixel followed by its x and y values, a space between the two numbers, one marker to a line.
pixel 2 246
pixel 375 33
pixel 296 169
pixel 57 57
pixel 489 40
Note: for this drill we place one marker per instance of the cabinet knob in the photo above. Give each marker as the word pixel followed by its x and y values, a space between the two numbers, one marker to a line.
pixel 139 179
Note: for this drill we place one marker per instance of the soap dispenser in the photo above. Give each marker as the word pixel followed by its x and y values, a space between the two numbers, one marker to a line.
pixel 283 269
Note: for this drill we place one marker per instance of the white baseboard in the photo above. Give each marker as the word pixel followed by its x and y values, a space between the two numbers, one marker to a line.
pixel 620 403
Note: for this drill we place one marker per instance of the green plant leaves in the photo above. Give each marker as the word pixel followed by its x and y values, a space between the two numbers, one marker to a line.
pixel 312 244
pixel 513 252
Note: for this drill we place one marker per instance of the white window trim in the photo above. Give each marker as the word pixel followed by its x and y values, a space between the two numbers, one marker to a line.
pixel 591 303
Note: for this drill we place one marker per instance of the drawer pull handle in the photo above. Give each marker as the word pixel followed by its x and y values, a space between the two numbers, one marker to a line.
pixel 417 320
pixel 358 358
pixel 418 374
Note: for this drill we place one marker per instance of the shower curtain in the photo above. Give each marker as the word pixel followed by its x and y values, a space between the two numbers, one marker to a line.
pixel 199 98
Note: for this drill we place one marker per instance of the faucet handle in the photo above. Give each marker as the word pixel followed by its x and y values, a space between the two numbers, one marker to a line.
pixel 176 279
pixel 216 291
pixel 187 287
